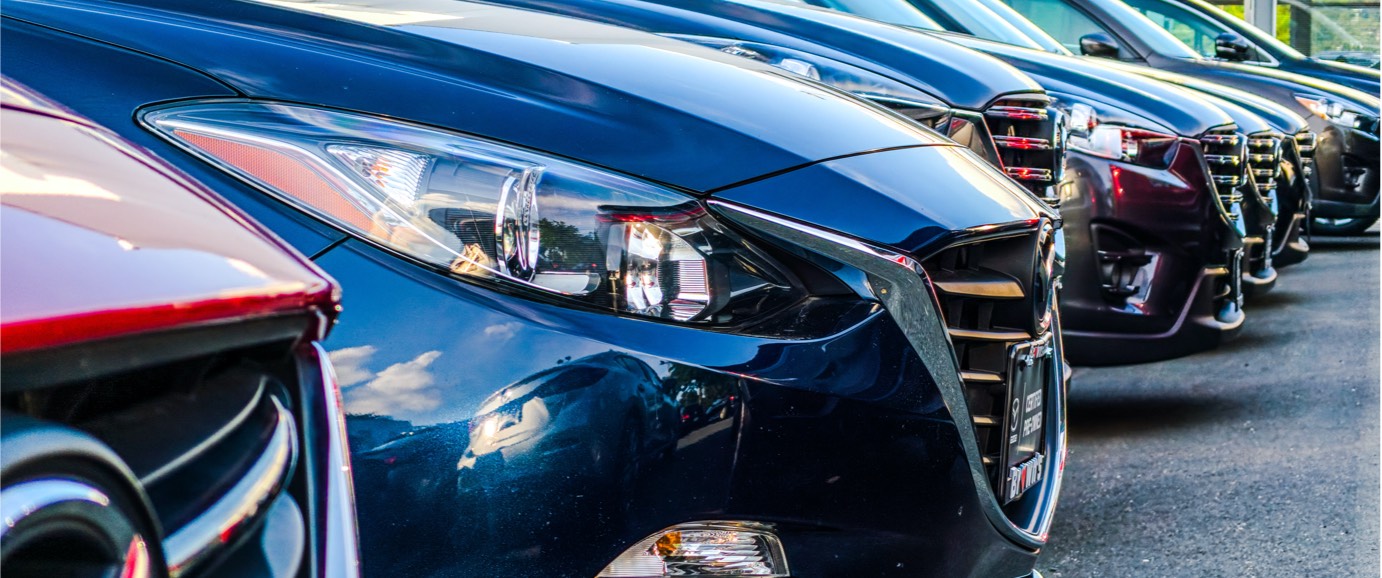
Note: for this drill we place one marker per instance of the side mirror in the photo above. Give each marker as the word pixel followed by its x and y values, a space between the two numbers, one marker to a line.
pixel 1230 46
pixel 1098 44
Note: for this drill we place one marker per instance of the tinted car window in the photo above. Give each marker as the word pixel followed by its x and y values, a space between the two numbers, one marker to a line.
pixel 1157 39
pixel 1194 30
pixel 1062 21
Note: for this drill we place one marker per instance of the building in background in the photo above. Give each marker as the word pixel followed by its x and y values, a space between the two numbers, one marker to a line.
pixel 1343 30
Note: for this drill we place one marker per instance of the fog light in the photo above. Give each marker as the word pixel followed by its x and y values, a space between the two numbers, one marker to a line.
pixel 703 549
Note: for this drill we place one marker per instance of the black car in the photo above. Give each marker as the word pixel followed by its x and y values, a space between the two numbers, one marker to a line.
pixel 1214 33
pixel 1345 120
pixel 614 303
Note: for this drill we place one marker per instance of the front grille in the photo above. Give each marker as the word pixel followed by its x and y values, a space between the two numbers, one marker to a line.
pixel 1031 150
pixel 211 441
pixel 1264 166
pixel 1305 148
pixel 1264 160
pixel 995 296
pixel 1224 152
pixel 1305 143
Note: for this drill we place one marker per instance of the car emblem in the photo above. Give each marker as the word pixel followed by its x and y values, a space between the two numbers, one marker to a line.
pixel 1016 415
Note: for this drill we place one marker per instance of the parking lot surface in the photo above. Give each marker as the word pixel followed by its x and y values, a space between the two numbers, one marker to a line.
pixel 1257 459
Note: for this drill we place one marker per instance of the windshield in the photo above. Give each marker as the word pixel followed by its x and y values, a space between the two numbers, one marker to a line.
pixel 1156 37
pixel 1025 26
pixel 897 12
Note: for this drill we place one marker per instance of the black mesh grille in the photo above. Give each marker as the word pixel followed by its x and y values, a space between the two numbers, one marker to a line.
pixel 994 295
pixel 1027 135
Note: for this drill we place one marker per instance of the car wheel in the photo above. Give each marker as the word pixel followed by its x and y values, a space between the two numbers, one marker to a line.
pixel 1344 226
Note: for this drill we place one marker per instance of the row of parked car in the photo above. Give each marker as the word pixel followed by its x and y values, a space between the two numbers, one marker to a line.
pixel 617 288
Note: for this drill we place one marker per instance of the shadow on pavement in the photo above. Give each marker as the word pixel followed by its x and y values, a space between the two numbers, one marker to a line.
pixel 1135 415
pixel 1322 243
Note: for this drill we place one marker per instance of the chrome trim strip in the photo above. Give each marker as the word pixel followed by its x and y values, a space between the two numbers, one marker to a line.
pixel 899 282
pixel 343 535
pixel 64 503
pixel 221 523
pixel 26 499
pixel 1018 112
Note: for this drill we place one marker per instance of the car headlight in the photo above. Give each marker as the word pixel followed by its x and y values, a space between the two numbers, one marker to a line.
pixel 488 212
pixel 1321 106
pixel 910 102
pixel 1338 113
pixel 703 550
pixel 1087 133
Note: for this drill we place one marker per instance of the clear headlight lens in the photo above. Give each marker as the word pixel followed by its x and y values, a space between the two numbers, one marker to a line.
pixel 1338 113
pixel 486 211
pixel 1118 142
pixel 1125 143
pixel 1321 106
pixel 703 549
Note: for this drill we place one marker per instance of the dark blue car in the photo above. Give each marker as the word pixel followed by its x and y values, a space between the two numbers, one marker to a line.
pixel 614 304
pixel 1144 279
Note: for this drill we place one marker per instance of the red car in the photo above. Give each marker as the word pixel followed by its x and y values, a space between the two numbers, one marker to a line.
pixel 166 408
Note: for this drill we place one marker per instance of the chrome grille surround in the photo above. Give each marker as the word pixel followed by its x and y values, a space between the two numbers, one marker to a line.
pixel 906 291
pixel 1225 153
pixel 1264 160
pixel 1264 168
pixel 1030 141
pixel 1305 148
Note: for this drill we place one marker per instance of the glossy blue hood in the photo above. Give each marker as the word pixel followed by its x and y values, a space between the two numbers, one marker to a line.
pixel 604 95
pixel 1280 118
pixel 1177 110
pixel 956 75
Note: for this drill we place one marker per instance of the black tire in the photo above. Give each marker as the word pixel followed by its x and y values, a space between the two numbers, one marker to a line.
pixel 1341 227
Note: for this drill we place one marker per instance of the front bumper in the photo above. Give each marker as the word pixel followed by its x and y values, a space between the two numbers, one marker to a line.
pixel 1347 171
pixel 1147 249
pixel 1293 248
pixel 856 447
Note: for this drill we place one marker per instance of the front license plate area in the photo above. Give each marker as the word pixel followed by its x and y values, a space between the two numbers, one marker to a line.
pixel 1024 422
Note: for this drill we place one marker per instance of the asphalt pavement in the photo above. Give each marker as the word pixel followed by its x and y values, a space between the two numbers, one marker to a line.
pixel 1256 459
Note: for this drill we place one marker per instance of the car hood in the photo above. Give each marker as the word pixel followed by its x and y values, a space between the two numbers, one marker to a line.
pixel 1271 79
pixel 1280 118
pixel 1176 109
pixel 956 75
pixel 663 110
pixel 1350 75
pixel 866 196
pixel 114 244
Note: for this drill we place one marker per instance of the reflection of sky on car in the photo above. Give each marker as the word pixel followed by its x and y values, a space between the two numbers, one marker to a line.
pixel 437 386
